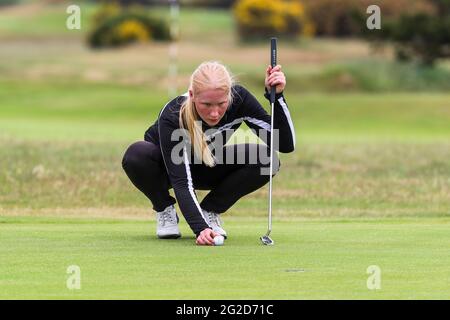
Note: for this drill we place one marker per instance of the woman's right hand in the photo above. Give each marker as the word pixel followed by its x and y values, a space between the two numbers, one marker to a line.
pixel 206 237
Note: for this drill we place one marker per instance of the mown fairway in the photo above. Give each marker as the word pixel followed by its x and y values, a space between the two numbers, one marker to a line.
pixel 369 182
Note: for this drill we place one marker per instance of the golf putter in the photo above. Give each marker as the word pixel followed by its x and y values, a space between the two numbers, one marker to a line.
pixel 266 240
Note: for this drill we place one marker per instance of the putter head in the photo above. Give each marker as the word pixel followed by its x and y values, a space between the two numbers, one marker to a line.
pixel 267 241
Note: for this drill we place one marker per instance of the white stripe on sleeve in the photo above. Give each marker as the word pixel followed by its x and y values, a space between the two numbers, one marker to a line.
pixel 191 185
pixel 288 116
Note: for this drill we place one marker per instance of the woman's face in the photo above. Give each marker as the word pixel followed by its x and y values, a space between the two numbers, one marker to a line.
pixel 211 105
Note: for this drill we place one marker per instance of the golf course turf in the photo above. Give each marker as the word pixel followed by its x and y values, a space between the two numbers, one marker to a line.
pixel 312 259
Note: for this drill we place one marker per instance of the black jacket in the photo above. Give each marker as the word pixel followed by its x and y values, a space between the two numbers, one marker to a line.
pixel 245 108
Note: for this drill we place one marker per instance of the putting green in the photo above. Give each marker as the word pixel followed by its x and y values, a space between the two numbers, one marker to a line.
pixel 312 259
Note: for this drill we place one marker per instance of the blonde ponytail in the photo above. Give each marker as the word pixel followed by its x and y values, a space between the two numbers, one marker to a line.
pixel 209 75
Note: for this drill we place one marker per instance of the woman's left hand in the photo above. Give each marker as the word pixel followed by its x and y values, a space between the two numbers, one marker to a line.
pixel 275 78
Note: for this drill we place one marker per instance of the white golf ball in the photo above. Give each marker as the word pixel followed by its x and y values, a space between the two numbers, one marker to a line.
pixel 218 240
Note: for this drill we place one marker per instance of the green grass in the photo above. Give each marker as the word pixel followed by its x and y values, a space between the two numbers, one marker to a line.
pixel 363 180
pixel 46 21
pixel 311 260
pixel 28 104
pixel 376 75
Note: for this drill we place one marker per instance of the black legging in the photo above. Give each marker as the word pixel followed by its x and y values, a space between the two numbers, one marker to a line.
pixel 228 183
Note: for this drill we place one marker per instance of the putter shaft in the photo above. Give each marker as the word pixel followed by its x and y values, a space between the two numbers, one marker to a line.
pixel 273 61
pixel 269 227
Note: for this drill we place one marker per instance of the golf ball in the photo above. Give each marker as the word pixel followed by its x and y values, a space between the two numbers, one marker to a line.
pixel 218 240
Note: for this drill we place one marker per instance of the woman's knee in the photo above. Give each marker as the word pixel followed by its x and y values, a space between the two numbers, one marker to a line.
pixel 136 154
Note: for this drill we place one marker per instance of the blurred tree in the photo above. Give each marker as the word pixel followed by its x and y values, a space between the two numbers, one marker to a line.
pixel 332 18
pixel 264 18
pixel 115 26
pixel 346 18
pixel 424 36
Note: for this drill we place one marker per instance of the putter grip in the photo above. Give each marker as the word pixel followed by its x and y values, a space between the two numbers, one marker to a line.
pixel 273 62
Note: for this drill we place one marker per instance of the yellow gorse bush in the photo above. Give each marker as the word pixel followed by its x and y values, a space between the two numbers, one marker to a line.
pixel 271 17
pixel 115 26
pixel 132 29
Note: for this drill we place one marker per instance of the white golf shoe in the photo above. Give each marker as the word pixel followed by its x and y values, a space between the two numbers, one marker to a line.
pixel 214 221
pixel 167 224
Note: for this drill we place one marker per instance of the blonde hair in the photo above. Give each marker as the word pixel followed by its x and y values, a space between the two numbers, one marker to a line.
pixel 209 75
